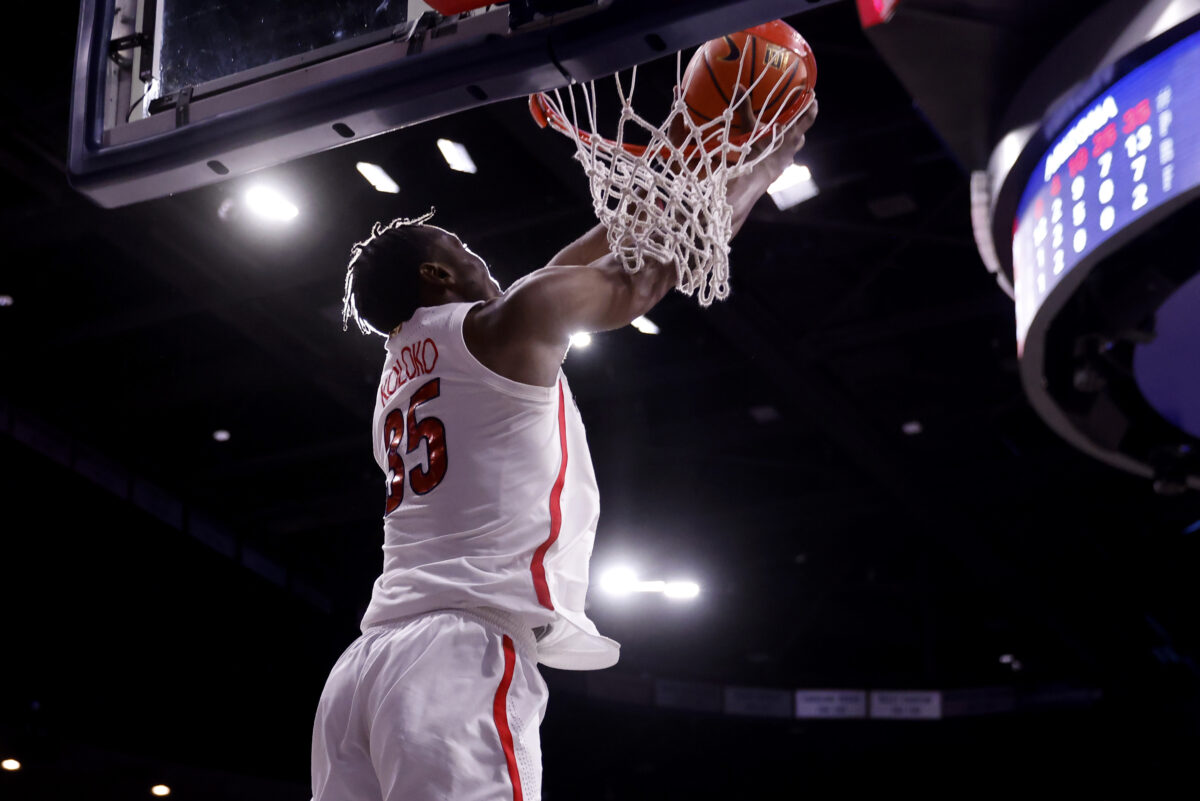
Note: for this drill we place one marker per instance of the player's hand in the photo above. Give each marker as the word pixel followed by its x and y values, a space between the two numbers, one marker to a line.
pixel 794 138
pixel 793 141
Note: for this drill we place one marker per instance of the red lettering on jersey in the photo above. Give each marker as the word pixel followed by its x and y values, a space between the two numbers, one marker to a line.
pixel 393 434
pixel 1039 207
pixel 415 360
pixel 411 366
pixel 1055 186
pixel 1137 116
pixel 429 355
pixel 1104 140
pixel 1078 162
pixel 433 432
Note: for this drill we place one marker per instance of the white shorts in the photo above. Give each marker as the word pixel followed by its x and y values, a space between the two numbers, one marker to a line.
pixel 444 705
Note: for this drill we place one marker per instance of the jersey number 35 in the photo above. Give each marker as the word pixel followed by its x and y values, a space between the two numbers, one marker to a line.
pixel 399 425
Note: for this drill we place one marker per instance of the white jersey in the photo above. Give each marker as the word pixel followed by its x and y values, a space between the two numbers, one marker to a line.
pixel 491 498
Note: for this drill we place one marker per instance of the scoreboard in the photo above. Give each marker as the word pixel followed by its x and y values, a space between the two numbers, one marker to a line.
pixel 1135 146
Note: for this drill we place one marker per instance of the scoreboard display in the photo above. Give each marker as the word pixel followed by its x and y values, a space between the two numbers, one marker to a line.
pixel 1131 149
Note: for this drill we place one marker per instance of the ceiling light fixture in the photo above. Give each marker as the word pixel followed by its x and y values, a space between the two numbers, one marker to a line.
pixel 6 300
pixel 221 435
pixel 378 177
pixel 456 156
pixel 794 186
pixel 681 589
pixel 160 790
pixel 645 325
pixel 581 339
pixel 10 764
pixel 619 581
pixel 270 204
pixel 622 581
pixel 912 428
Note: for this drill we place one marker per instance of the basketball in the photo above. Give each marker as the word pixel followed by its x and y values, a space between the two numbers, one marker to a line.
pixel 771 62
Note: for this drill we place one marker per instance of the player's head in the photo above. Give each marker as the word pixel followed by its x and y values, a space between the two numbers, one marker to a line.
pixel 407 264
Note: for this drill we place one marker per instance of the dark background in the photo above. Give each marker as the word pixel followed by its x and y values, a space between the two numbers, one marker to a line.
pixel 171 604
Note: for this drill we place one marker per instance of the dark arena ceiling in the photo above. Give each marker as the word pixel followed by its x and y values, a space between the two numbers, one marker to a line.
pixel 171 604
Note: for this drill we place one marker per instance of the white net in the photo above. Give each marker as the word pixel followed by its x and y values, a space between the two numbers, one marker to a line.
pixel 668 202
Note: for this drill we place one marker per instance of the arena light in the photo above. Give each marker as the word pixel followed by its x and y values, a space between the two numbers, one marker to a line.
pixel 681 589
pixel 221 435
pixel 619 581
pixel 795 186
pixel 270 204
pixel 377 176
pixel 6 300
pixel 10 765
pixel 912 428
pixel 623 581
pixel 581 339
pixel 456 156
pixel 645 325
pixel 160 790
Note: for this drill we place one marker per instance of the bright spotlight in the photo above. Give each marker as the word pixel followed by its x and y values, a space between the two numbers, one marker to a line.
pixel 645 325
pixel 378 177
pixel 6 300
pixel 681 589
pixel 619 581
pixel 10 764
pixel 456 156
pixel 269 204
pixel 160 790
pixel 796 185
pixel 221 435
pixel 581 340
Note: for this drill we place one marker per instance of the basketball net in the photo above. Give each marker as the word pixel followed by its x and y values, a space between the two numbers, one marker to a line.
pixel 667 201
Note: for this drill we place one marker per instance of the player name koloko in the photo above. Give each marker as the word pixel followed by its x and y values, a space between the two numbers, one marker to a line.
pixel 415 360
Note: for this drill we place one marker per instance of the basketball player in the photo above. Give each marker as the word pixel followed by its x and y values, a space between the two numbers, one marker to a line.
pixel 490 512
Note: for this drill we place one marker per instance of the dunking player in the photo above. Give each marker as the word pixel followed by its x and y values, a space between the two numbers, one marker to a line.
pixel 490 514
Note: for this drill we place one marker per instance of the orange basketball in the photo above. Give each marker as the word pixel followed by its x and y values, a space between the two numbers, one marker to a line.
pixel 772 58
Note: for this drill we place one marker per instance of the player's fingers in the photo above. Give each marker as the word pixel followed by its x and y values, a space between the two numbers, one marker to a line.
pixel 809 117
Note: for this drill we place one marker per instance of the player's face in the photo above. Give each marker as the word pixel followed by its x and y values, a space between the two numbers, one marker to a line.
pixel 476 279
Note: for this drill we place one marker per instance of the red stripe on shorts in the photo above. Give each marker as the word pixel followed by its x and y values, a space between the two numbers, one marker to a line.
pixel 538 568
pixel 500 713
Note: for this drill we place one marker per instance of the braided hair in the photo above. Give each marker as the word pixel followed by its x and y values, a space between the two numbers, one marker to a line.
pixel 382 281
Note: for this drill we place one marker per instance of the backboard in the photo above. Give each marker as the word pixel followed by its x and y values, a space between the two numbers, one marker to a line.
pixel 170 95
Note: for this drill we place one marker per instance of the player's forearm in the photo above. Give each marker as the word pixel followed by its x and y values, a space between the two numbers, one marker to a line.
pixel 630 295
pixel 588 248
pixel 745 190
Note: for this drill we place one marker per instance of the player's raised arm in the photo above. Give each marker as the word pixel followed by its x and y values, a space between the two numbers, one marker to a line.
pixel 524 334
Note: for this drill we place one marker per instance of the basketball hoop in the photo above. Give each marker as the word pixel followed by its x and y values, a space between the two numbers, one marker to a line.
pixel 666 200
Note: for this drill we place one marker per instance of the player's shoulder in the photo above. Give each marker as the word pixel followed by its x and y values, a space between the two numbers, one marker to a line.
pixel 521 306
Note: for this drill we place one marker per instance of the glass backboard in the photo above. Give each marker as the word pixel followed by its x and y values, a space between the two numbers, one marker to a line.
pixel 170 95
